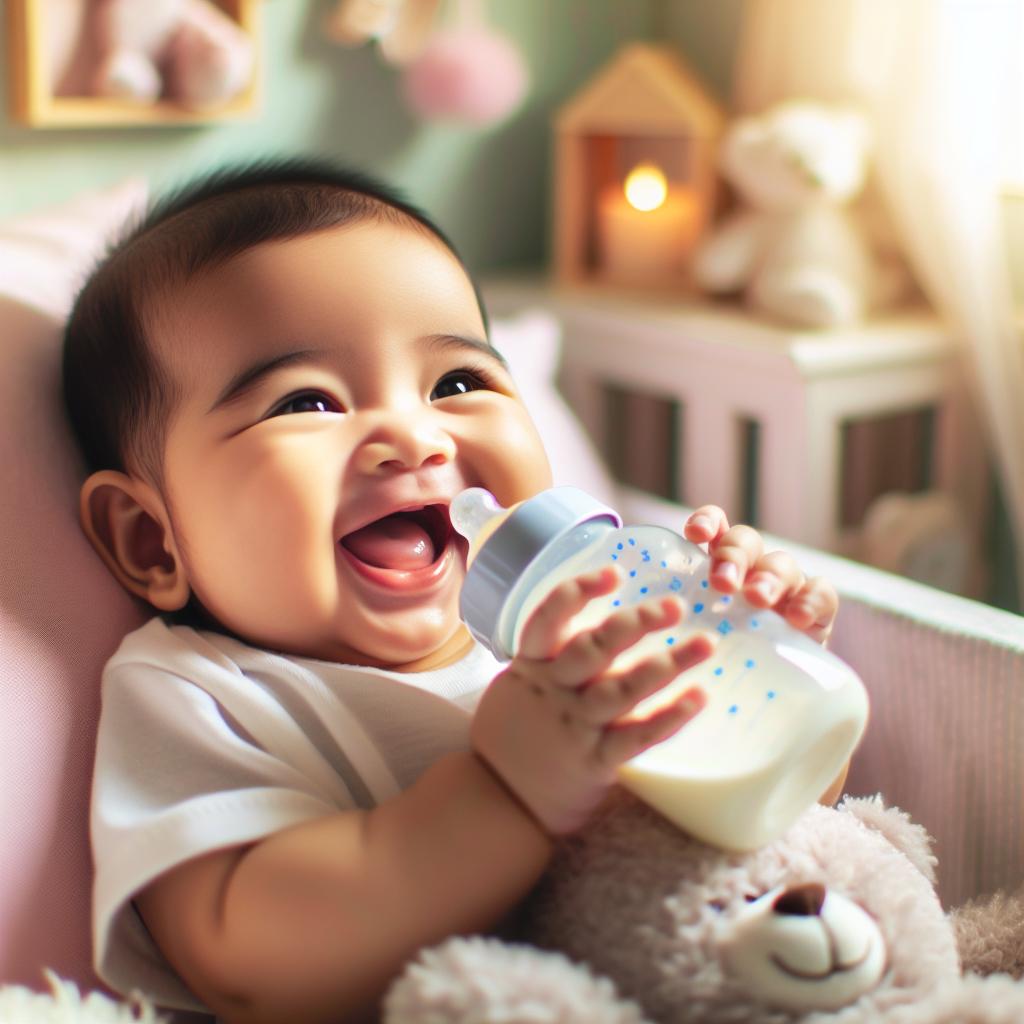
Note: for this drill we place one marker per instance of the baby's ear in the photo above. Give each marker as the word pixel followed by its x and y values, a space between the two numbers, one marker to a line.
pixel 127 523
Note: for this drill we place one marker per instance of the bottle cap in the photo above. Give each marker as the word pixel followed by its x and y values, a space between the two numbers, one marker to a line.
pixel 507 553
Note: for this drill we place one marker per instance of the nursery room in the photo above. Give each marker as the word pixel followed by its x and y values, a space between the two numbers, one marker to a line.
pixel 561 459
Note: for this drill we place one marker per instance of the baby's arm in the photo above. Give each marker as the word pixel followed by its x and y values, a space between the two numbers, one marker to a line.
pixel 313 923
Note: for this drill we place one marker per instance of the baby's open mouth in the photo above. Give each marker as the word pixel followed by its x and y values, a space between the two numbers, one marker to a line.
pixel 404 541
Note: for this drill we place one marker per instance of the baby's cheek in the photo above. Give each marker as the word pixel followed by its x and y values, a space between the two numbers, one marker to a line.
pixel 515 465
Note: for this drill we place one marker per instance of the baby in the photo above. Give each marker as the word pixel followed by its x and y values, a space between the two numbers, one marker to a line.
pixel 306 769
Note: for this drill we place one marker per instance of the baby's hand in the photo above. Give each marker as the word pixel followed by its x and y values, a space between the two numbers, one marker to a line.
pixel 768 579
pixel 555 724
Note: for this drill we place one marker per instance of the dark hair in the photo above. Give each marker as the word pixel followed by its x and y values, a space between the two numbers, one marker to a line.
pixel 117 395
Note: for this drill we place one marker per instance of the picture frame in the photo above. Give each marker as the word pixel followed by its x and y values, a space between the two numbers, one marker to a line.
pixel 32 26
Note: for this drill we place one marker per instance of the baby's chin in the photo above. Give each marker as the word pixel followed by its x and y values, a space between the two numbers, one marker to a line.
pixel 417 647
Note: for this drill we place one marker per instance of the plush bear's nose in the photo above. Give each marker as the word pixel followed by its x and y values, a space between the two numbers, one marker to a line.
pixel 801 900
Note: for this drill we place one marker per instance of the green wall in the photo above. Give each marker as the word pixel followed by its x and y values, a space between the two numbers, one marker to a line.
pixel 488 188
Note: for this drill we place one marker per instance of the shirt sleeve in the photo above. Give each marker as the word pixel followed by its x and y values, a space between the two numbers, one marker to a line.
pixel 183 767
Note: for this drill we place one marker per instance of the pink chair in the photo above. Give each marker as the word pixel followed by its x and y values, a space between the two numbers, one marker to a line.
pixel 61 614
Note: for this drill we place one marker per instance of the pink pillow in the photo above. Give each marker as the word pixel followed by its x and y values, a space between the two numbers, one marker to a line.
pixel 532 344
pixel 61 613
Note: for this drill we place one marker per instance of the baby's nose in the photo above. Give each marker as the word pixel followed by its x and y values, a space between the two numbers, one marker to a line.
pixel 405 446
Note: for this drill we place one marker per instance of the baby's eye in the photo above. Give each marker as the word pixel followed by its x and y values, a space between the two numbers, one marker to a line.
pixel 459 382
pixel 306 401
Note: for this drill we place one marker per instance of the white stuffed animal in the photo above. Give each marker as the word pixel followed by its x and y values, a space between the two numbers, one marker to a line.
pixel 794 250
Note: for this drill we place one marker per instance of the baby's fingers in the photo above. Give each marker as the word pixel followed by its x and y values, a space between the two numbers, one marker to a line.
pixel 624 740
pixel 545 634
pixel 732 554
pixel 610 697
pixel 812 608
pixel 590 652
pixel 706 524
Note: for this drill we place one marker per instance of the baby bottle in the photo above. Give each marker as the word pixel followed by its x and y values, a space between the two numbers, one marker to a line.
pixel 782 714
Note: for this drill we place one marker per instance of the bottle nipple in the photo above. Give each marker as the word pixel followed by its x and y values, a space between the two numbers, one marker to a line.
pixel 476 514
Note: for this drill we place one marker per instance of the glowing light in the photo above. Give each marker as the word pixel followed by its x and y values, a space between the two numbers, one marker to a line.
pixel 646 187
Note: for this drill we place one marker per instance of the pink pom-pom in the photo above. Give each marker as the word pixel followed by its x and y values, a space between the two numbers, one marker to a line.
pixel 466 74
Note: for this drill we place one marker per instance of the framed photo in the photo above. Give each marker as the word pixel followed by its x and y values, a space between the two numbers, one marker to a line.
pixel 54 53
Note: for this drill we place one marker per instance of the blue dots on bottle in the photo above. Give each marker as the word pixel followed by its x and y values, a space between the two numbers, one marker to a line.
pixel 664 564
pixel 676 584
pixel 754 623
pixel 771 695
pixel 632 572
pixel 719 670
pixel 670 641
pixel 616 603
pixel 726 598
pixel 698 608
pixel 645 555
pixel 619 545
pixel 749 663
pixel 704 584
pixel 734 709
pixel 632 542
pixel 643 590
pixel 725 627
pixel 615 557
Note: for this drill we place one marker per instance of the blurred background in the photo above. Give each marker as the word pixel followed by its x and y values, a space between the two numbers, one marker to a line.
pixel 489 187
pixel 488 113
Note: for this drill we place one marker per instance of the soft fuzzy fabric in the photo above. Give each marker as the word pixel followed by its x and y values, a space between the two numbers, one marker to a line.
pixel 460 984
pixel 661 942
pixel 64 1004
pixel 990 934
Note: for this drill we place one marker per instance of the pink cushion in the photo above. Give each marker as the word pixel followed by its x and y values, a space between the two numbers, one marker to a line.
pixel 61 614
pixel 532 344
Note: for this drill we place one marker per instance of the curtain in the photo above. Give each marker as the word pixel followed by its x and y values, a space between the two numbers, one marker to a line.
pixel 943 81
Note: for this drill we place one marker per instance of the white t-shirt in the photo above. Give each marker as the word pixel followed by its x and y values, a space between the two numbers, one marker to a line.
pixel 205 742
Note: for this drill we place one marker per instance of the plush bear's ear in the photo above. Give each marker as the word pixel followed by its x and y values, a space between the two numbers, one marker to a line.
pixel 910 839
pixel 746 135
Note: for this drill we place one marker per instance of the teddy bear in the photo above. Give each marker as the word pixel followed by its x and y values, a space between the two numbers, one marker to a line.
pixel 836 922
pixel 188 51
pixel 793 248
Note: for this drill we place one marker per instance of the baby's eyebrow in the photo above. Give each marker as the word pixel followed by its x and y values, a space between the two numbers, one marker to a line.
pixel 458 341
pixel 249 378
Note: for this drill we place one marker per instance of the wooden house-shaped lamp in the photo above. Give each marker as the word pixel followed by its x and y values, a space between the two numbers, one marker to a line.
pixel 635 172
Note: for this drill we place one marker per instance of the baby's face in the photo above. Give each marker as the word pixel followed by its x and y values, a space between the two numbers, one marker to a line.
pixel 338 393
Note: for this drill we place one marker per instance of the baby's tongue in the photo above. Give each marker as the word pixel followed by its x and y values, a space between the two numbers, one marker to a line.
pixel 394 542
